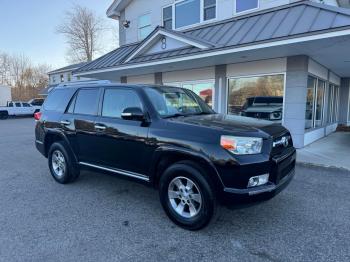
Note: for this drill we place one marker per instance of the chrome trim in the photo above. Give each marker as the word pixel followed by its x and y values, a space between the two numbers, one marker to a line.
pixel 117 171
pixel 98 127
pixel 39 142
pixel 66 123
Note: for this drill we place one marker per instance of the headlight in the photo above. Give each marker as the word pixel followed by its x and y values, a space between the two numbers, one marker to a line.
pixel 276 116
pixel 242 145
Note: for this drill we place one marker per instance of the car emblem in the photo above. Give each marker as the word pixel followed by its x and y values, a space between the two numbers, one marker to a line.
pixel 284 141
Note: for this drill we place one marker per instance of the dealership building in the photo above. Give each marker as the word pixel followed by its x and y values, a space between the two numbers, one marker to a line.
pixel 286 61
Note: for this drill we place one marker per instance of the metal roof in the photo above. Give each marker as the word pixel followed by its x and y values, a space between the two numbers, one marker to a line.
pixel 284 22
pixel 67 68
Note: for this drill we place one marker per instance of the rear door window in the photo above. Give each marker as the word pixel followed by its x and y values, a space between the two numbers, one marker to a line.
pixel 58 100
pixel 26 105
pixel 18 105
pixel 87 102
pixel 115 101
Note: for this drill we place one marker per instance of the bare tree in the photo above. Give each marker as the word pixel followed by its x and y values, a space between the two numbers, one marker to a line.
pixel 25 79
pixel 82 28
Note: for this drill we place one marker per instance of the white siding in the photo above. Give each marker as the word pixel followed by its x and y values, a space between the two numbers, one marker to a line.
pixel 141 79
pixel 262 67
pixel 225 10
pixel 57 77
pixel 318 70
pixel 5 95
pixel 189 75
pixel 334 79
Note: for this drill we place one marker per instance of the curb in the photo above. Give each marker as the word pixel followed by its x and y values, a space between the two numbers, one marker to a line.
pixel 336 168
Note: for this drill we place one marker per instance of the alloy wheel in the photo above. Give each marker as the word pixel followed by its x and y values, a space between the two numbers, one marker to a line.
pixel 185 197
pixel 58 163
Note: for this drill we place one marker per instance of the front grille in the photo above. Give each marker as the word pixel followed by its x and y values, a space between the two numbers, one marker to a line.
pixel 259 115
pixel 278 147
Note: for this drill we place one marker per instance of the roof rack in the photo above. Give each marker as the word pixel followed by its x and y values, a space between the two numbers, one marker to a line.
pixel 85 82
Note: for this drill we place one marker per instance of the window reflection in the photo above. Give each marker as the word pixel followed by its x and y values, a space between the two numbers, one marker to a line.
pixel 205 90
pixel 258 97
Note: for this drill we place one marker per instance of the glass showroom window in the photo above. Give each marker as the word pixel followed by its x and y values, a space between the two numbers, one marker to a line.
pixel 319 106
pixel 246 5
pixel 257 96
pixel 204 89
pixel 330 104
pixel 168 17
pixel 311 84
pixel 335 117
pixel 144 26
pixel 315 103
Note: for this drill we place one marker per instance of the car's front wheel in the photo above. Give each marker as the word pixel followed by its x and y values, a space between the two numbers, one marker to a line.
pixel 187 195
pixel 61 164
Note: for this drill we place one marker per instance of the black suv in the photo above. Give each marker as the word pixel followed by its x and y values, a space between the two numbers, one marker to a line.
pixel 166 137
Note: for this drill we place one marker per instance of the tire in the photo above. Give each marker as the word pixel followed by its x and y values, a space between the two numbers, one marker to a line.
pixel 62 164
pixel 192 209
pixel 4 115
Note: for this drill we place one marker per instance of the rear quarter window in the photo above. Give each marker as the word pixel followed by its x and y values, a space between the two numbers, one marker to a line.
pixel 58 100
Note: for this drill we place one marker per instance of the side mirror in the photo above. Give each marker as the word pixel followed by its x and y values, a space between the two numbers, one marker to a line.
pixel 133 113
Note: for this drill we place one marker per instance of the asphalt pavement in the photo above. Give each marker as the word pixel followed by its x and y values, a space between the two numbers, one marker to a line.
pixel 104 218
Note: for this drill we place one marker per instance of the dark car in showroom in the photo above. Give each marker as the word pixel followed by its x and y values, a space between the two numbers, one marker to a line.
pixel 168 138
pixel 264 107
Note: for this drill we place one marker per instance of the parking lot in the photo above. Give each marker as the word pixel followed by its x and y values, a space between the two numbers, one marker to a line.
pixel 104 218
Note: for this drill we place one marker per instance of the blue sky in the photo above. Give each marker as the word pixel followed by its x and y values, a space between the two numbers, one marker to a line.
pixel 28 27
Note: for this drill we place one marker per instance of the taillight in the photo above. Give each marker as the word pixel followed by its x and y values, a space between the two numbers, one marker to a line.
pixel 37 116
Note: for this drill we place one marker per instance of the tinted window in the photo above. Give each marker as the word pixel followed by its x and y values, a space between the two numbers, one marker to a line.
pixel 10 104
pixel 18 105
pixel 57 100
pixel 117 100
pixel 26 105
pixel 87 102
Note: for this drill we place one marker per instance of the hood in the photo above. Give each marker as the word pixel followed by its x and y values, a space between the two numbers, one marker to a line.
pixel 231 123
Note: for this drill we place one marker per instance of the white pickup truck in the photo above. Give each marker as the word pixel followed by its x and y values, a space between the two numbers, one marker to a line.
pixel 16 108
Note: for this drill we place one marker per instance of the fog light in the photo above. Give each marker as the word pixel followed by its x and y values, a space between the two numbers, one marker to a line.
pixel 258 180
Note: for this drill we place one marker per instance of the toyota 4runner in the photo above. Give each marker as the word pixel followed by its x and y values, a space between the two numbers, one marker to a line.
pixel 166 137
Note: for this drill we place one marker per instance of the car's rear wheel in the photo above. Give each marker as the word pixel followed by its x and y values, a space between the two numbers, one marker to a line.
pixel 187 195
pixel 62 166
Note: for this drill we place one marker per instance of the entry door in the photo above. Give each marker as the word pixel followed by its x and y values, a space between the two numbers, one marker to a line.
pixel 122 144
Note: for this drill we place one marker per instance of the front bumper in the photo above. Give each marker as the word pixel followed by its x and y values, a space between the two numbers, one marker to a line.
pixel 281 173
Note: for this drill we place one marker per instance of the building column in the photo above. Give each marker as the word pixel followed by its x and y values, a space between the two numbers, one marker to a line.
pixel 220 90
pixel 295 97
pixel 158 78
pixel 344 102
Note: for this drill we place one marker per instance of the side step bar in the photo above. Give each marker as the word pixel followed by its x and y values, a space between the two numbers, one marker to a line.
pixel 117 171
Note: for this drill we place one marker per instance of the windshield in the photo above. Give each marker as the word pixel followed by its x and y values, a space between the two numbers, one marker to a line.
pixel 170 102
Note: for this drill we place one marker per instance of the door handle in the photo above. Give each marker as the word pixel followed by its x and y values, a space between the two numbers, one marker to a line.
pixel 66 123
pixel 100 127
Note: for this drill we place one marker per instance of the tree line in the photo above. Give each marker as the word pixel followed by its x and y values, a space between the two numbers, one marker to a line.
pixel 25 78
